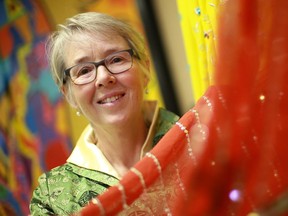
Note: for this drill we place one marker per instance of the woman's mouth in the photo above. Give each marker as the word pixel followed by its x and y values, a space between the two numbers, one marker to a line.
pixel 111 99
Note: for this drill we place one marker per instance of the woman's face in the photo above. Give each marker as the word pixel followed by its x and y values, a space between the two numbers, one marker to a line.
pixel 110 99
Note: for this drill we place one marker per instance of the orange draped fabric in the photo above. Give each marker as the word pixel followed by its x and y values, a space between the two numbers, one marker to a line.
pixel 227 155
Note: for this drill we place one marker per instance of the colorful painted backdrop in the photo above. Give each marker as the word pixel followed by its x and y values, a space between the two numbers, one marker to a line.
pixel 33 123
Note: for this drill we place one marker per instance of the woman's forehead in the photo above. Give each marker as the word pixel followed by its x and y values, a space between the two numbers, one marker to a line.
pixel 89 47
pixel 92 39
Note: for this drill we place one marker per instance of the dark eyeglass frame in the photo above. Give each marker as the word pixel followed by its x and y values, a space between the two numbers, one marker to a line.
pixel 97 64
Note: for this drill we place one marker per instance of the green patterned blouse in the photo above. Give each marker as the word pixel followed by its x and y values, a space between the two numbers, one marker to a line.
pixel 66 189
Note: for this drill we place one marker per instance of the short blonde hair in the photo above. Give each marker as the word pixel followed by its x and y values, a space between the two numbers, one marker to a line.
pixel 97 23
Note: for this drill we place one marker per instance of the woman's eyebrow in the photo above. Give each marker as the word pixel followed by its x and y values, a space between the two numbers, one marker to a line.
pixel 104 54
pixel 82 60
pixel 112 50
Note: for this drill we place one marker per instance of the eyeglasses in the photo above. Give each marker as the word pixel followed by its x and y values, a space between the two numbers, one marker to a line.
pixel 115 63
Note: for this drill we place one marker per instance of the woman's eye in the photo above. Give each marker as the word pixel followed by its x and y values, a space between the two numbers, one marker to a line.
pixel 116 59
pixel 84 70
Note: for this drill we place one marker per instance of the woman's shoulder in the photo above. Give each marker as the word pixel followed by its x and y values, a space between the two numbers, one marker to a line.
pixel 67 188
pixel 57 171
pixel 166 120
pixel 71 172
pixel 167 116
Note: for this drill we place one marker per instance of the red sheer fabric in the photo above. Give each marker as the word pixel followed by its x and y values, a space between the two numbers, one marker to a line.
pixel 227 155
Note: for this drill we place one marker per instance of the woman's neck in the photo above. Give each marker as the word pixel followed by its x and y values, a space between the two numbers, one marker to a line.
pixel 122 144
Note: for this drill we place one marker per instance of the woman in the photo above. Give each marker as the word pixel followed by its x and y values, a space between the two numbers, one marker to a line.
pixel 101 66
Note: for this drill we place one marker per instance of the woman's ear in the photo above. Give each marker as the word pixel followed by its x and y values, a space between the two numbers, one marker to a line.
pixel 66 92
pixel 62 90
pixel 147 64
pixel 147 75
pixel 146 81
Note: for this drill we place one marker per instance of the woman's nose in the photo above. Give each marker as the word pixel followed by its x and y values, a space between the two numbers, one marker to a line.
pixel 104 77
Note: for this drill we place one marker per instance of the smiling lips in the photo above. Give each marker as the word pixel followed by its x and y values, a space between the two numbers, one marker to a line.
pixel 111 99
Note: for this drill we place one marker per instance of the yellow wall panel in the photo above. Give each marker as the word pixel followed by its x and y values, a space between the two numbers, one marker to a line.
pixel 198 23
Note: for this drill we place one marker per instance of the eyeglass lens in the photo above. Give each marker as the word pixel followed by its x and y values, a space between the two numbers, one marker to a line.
pixel 115 63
